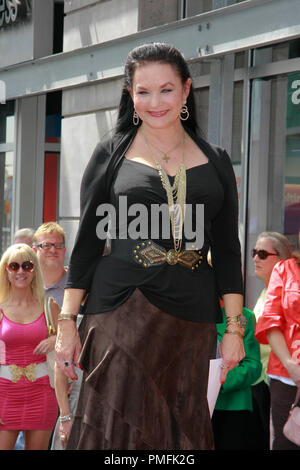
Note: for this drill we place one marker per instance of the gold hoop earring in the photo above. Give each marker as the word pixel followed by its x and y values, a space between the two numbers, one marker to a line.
pixel 184 113
pixel 135 118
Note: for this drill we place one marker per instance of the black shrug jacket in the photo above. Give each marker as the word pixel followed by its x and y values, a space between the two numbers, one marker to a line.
pixel 95 190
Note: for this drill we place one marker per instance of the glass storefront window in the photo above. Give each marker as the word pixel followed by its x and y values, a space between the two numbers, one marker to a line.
pixel 275 155
pixel 292 159
pixel 274 164
pixel 7 137
pixel 6 189
pixel 236 144
pixel 282 51
pixel 10 128
pixel 201 101
pixel 7 122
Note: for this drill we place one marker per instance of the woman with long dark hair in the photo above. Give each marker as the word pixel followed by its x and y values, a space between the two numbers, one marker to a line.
pixel 149 326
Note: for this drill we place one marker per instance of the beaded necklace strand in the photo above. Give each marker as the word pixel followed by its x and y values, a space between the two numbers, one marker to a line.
pixel 176 194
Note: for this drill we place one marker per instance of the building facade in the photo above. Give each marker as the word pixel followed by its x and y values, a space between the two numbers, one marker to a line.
pixel 61 69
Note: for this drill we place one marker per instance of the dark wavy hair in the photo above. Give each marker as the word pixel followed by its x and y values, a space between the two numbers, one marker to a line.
pixel 141 55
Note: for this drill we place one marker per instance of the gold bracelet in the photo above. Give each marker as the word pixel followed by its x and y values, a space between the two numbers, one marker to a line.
pixel 235 332
pixel 66 316
pixel 238 320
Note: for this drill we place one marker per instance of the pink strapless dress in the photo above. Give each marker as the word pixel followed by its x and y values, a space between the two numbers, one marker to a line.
pixel 25 405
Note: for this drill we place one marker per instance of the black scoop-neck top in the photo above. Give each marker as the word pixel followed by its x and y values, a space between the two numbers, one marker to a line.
pixel 175 289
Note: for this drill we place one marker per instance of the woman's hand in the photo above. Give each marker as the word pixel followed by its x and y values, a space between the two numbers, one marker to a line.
pixel 67 347
pixel 64 432
pixel 294 371
pixel 279 347
pixel 232 352
pixel 45 346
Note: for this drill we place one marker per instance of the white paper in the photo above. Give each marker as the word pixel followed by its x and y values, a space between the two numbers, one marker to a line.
pixel 214 383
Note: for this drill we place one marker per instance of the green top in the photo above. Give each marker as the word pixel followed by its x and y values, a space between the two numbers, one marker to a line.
pixel 265 349
pixel 236 393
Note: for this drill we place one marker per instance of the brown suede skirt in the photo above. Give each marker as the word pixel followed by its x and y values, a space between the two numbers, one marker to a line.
pixel 145 381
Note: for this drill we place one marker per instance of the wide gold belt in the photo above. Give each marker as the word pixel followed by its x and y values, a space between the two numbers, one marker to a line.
pixel 148 253
pixel 32 372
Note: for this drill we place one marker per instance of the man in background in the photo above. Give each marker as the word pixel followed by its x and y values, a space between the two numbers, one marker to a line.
pixel 49 243
pixel 24 235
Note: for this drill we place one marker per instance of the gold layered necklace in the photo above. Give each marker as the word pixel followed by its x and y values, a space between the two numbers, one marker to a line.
pixel 176 194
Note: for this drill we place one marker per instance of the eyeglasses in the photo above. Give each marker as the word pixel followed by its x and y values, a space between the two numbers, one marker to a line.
pixel 47 246
pixel 27 266
pixel 262 254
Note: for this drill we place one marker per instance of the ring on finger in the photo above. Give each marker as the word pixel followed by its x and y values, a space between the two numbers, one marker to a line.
pixel 67 363
pixel 224 367
pixel 63 437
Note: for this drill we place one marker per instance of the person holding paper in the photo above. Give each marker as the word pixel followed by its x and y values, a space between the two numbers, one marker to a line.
pixel 232 423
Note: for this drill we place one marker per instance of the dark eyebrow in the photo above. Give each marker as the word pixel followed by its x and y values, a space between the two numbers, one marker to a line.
pixel 141 87
pixel 166 84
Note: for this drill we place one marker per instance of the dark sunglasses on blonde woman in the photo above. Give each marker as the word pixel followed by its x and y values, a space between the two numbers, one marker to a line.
pixel 27 266
pixel 262 254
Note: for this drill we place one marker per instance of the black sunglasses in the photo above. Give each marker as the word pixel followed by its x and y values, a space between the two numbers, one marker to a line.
pixel 262 254
pixel 27 266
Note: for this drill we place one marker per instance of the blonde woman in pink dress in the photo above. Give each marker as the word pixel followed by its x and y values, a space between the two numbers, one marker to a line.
pixel 28 402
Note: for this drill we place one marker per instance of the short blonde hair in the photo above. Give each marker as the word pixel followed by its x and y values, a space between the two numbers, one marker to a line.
pixel 21 252
pixel 50 227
